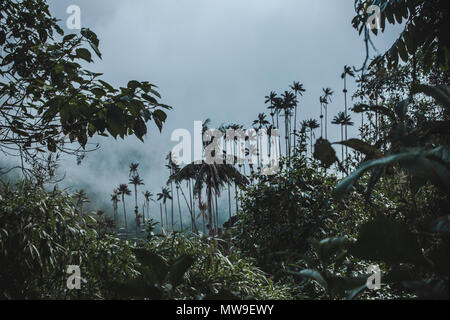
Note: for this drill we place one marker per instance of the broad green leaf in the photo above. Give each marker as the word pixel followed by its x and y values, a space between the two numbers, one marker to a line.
pixel 179 268
pixel 370 151
pixel 314 275
pixel 327 248
pixel 84 54
pixel 359 108
pixel 324 152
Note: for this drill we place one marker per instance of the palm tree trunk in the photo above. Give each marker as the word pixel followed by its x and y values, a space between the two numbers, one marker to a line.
pixel 179 210
pixel 229 200
pixel 167 220
pixel 326 122
pixel 236 198
pixel 125 216
pixel 161 213
pixel 321 120
pixel 191 199
pixel 345 100
pixel 136 209
pixel 171 191
pixel 210 221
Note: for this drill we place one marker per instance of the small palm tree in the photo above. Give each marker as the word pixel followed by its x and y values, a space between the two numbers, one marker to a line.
pixel 342 120
pixel 164 195
pixel 298 89
pixel 213 177
pixel 259 124
pixel 81 197
pixel 124 191
pixel 271 98
pixel 133 169
pixel 289 102
pixel 148 196
pixel 325 100
pixel 347 73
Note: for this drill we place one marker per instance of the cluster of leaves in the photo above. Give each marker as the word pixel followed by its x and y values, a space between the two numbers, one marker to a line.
pixel 42 233
pixel 426 28
pixel 281 213
pixel 49 100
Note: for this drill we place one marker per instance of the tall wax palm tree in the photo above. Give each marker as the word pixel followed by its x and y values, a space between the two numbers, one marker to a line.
pixel 347 73
pixel 124 191
pixel 136 181
pixel 177 186
pixel 325 100
pixel 239 163
pixel 171 166
pixel 298 89
pixel 346 123
pixel 164 195
pixel 148 196
pixel 133 169
pixel 115 200
pixel 289 102
pixel 230 155
pixel 81 197
pixel 203 208
pixel 312 125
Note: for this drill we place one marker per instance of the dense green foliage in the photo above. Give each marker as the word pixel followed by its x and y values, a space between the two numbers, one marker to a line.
pixel 311 230
pixel 42 233
pixel 49 100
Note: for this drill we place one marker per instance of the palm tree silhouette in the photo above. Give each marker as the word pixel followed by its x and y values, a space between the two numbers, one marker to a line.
pixel 203 207
pixel 115 200
pixel 213 177
pixel 325 100
pixel 171 166
pixel 342 120
pixel 312 125
pixel 148 196
pixel 81 197
pixel 133 169
pixel 164 195
pixel 289 102
pixel 297 87
pixel 271 98
pixel 124 191
pixel 259 124
pixel 347 72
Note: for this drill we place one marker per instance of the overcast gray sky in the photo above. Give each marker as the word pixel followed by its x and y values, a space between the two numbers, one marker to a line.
pixel 213 59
